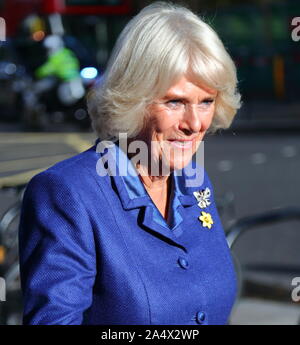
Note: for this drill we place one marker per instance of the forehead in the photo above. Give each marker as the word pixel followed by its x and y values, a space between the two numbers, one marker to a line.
pixel 188 86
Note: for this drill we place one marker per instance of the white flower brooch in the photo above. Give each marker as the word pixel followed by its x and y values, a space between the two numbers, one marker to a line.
pixel 203 197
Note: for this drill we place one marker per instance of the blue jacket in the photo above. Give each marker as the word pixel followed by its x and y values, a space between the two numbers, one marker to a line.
pixel 95 250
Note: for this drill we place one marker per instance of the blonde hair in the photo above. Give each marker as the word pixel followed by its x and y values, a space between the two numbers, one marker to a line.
pixel 157 47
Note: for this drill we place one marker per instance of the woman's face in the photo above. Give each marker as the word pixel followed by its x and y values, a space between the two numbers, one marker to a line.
pixel 178 122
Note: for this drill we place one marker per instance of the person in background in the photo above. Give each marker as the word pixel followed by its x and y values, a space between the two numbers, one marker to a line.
pixel 62 66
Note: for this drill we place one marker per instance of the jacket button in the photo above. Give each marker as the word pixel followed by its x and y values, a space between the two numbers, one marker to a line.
pixel 200 317
pixel 183 263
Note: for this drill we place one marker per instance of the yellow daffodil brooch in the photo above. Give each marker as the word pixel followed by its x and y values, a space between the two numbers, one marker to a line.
pixel 202 197
pixel 206 219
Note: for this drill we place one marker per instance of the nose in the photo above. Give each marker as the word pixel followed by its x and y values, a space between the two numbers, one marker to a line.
pixel 191 120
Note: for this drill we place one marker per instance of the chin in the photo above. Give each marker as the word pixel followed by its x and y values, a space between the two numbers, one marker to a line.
pixel 179 164
pixel 177 159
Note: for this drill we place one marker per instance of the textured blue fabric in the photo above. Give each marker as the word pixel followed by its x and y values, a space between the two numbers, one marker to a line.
pixel 95 250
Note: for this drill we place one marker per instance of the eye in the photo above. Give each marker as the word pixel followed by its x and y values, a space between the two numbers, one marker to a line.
pixel 207 102
pixel 174 102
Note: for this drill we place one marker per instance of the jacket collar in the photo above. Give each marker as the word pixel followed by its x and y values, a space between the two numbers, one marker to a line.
pixel 133 195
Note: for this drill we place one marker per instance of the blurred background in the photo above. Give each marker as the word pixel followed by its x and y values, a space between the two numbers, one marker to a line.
pixel 53 51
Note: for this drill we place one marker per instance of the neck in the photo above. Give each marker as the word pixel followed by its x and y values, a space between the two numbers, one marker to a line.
pixel 152 182
pixel 158 188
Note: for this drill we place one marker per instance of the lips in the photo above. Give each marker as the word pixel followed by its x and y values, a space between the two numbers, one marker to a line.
pixel 181 143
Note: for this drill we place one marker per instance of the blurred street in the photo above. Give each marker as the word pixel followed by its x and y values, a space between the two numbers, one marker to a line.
pixel 257 172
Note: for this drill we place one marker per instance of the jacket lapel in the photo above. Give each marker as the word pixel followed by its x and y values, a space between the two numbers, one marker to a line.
pixel 133 195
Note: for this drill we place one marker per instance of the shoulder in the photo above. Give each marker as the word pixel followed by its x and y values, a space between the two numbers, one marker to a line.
pixel 75 174
pixel 76 164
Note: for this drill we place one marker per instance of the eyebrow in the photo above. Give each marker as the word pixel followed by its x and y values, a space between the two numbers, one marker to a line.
pixel 181 97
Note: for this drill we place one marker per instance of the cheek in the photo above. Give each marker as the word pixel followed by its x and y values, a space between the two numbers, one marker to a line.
pixel 164 122
pixel 207 120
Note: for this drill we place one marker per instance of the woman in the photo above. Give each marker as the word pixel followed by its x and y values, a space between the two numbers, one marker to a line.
pixel 127 232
